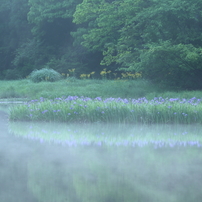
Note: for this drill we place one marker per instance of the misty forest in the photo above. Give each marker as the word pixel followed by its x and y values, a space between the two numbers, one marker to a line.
pixel 100 100
pixel 159 39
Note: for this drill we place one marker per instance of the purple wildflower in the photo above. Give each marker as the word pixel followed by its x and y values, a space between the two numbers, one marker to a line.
pixel 98 98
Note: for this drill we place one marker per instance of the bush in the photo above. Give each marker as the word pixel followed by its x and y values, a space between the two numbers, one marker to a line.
pixel 44 74
pixel 176 66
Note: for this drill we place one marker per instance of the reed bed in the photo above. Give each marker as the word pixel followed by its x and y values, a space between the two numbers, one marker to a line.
pixel 110 110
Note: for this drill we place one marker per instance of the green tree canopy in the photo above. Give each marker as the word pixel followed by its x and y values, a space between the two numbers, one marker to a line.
pixel 160 38
pixel 51 22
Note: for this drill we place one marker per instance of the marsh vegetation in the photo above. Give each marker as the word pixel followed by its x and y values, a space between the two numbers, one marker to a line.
pixel 111 110
pixel 106 100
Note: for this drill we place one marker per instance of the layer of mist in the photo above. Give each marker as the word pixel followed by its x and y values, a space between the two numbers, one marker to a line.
pixel 35 168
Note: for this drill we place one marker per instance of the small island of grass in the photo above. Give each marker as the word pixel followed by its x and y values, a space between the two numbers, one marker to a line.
pixel 110 110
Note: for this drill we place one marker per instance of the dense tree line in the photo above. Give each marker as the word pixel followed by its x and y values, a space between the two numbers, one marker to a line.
pixel 162 39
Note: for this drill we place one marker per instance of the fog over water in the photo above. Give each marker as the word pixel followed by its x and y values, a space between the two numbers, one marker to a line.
pixel 49 162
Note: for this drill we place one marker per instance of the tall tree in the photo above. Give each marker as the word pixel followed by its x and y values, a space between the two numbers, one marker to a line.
pixel 52 25
pixel 162 39
pixel 14 31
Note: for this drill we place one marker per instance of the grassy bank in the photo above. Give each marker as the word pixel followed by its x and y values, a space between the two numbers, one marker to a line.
pixel 117 101
pixel 75 87
pixel 25 89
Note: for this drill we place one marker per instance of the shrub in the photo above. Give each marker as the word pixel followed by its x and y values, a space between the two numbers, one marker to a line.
pixel 45 74
pixel 171 65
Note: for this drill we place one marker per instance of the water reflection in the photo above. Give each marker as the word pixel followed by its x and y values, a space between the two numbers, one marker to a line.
pixel 112 174
pixel 43 168
pixel 14 154
pixel 110 134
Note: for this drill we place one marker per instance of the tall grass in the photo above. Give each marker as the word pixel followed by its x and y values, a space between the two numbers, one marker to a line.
pixel 26 89
pixel 75 87
pixel 110 110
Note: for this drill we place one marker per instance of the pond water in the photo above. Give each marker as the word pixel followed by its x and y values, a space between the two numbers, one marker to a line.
pixel 49 162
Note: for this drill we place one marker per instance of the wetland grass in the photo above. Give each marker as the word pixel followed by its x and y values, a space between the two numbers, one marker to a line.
pixel 110 110
pixel 91 100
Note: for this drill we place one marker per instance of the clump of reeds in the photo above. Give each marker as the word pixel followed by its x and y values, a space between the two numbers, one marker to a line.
pixel 110 110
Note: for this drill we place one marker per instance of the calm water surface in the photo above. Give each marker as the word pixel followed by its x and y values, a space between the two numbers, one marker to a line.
pixel 47 162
